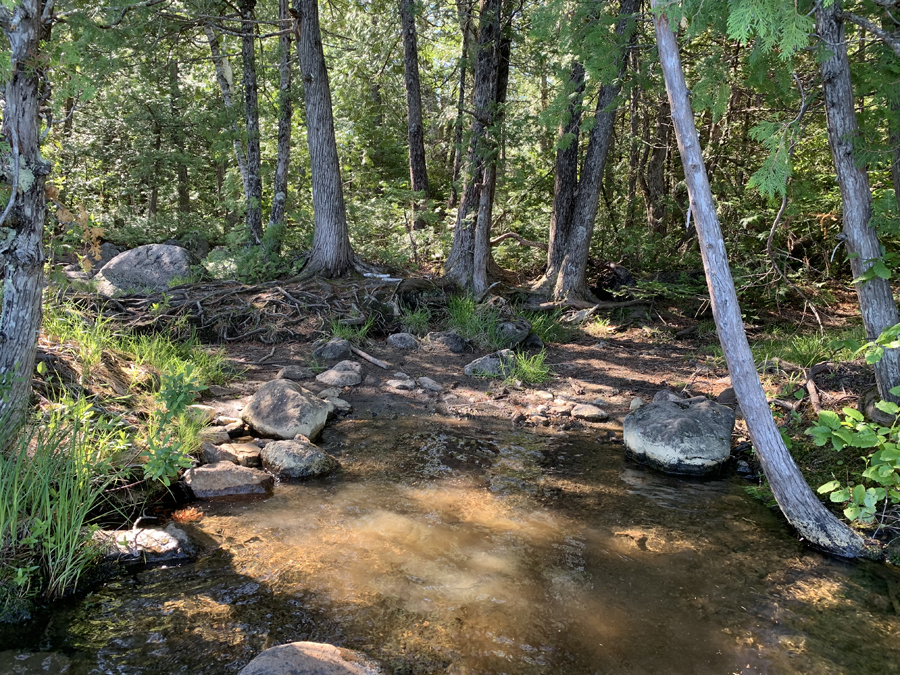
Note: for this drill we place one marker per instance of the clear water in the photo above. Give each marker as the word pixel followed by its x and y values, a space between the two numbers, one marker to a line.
pixel 442 548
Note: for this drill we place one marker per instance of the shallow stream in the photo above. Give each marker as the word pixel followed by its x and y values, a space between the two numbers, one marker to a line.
pixel 443 548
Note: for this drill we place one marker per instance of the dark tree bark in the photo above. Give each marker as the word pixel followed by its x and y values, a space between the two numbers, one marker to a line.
pixel 570 282
pixel 225 79
pixel 251 114
pixel 418 174
pixel 331 254
pixel 153 201
pixel 797 501
pixel 875 298
pixel 653 176
pixel 285 115
pixel 465 17
pixel 565 181
pixel 181 170
pixel 22 220
pixel 894 121
pixel 460 265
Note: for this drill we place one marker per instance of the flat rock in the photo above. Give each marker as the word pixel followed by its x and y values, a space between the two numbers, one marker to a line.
pixel 333 350
pixel 403 341
pixel 294 373
pixel 492 365
pixel 680 436
pixel 429 384
pixel 513 332
pixel 243 454
pixel 402 385
pixel 330 392
pixel 297 458
pixel 339 404
pixel 310 658
pixel 225 479
pixel 283 409
pixel 344 374
pixel 447 340
pixel 150 545
pixel 589 413
pixel 205 414
pixel 145 269
pixel 215 435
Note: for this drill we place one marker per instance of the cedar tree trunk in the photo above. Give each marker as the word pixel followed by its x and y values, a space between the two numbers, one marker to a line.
pixel 251 113
pixel 285 113
pixel 418 175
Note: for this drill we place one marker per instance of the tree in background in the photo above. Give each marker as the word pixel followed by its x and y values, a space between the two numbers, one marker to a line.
pixel 418 173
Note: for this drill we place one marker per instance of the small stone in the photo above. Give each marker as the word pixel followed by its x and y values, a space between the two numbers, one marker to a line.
pixel 235 429
pixel 216 390
pixel 333 350
pixel 297 459
pixel 743 467
pixel 344 374
pixel 589 413
pixel 492 365
pixel 215 435
pixel 330 392
pixel 294 373
pixel 348 367
pixel 403 341
pixel 339 404
pixel 204 414
pixel 513 332
pixel 429 384
pixel 224 421
pixel 518 418
pixel 310 658
pixel 242 454
pixel 401 376
pixel 563 410
pixel 402 385
pixel 145 544
pixel 533 342
pixel 447 340
pixel 545 395
pixel 636 403
pixel 283 409
pixel 599 401
pixel 727 397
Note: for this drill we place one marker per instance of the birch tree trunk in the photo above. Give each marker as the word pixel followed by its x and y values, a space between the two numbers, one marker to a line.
pixel 251 115
pixel 570 281
pixel 285 115
pixel 876 301
pixel 225 80
pixel 22 220
pixel 331 255
pixel 418 174
pixel 797 501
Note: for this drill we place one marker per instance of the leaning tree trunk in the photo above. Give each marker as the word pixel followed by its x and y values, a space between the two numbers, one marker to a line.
pixel 460 265
pixel 797 501
pixel 331 254
pixel 251 113
pixel 418 174
pixel 875 299
pixel 285 114
pixel 565 181
pixel 570 282
pixel 225 79
pixel 22 220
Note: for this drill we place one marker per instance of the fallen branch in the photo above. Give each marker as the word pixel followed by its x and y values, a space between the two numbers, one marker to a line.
pixel 519 238
pixel 369 358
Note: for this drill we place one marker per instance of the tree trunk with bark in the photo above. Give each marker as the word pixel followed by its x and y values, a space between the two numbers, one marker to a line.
pixel 225 80
pixel 331 255
pixel 460 265
pixel 876 301
pixel 570 282
pixel 285 115
pixel 797 501
pixel 465 19
pixel 181 179
pixel 251 114
pixel 22 219
pixel 418 174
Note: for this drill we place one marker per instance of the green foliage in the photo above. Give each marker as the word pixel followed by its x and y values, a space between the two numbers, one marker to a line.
pixel 530 369
pixel 776 25
pixel 479 323
pixel 416 321
pixel 354 334
pixel 548 326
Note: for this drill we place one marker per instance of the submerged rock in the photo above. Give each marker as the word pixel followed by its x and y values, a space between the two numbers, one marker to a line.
pixel 283 409
pixel 680 436
pixel 297 458
pixel 224 479
pixel 311 658
pixel 150 545
pixel 333 350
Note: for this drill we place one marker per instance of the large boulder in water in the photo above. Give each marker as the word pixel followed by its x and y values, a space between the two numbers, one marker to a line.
pixel 310 658
pixel 284 409
pixel 224 479
pixel 297 459
pixel 680 436
pixel 145 269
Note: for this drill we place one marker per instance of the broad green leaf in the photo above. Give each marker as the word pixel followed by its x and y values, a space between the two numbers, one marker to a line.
pixel 828 487
pixel 859 494
pixel 830 419
pixel 853 413
pixel 888 407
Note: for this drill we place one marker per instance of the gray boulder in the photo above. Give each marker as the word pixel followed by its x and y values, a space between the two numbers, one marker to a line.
pixel 589 413
pixel 150 545
pixel 243 454
pixel 225 479
pixel 403 341
pixel 297 458
pixel 97 259
pixel 533 341
pixel 294 373
pixel 283 409
pixel 430 385
pixel 310 658
pixel 343 374
pixel 333 350
pixel 492 365
pixel 145 269
pixel 680 436
pixel 447 340
pixel 514 332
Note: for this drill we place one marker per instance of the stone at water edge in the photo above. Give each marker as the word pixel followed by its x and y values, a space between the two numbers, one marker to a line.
pixel 333 350
pixel 589 413
pixel 492 365
pixel 205 414
pixel 225 479
pixel 297 458
pixel 311 658
pixel 150 545
pixel 283 409
pixel 403 341
pixel 215 435
pixel 687 436
pixel 243 454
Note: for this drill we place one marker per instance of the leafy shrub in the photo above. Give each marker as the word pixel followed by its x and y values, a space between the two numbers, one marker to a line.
pixel 416 321
pixel 548 326
pixel 530 369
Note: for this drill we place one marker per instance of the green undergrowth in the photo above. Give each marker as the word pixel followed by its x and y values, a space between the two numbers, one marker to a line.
pixel 530 369
pixel 549 326
pixel 354 334
pixel 478 323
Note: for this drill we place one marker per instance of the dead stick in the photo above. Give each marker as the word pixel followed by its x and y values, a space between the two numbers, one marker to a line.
pixel 369 358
